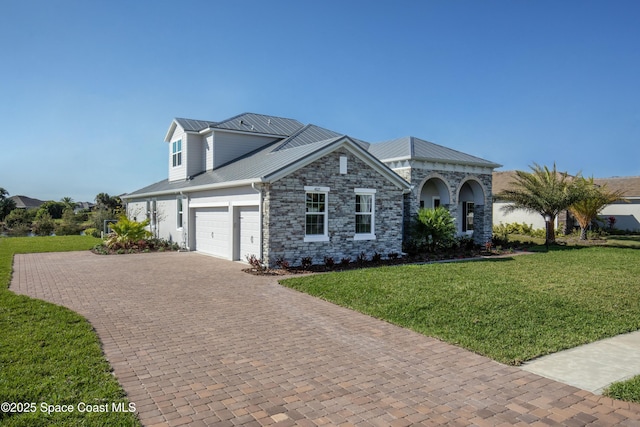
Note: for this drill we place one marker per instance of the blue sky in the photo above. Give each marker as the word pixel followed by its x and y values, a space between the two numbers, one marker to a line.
pixel 88 89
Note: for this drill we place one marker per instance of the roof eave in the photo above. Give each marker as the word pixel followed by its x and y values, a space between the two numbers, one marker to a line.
pixel 204 187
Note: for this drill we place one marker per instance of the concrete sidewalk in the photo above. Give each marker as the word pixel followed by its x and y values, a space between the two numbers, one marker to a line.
pixel 592 367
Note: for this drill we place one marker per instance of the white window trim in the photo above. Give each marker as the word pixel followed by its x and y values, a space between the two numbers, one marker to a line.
pixel 318 237
pixel 174 154
pixel 369 192
pixel 180 212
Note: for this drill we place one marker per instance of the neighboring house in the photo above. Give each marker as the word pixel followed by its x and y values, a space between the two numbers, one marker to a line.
pixel 627 214
pixel 24 202
pixel 275 188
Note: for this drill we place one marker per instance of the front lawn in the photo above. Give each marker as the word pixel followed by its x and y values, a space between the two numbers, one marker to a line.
pixel 511 310
pixel 50 355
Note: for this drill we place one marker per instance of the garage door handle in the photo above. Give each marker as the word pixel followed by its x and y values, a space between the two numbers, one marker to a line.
pixel 212 234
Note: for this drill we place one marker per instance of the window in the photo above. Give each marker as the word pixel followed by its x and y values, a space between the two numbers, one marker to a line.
pixel 365 213
pixel 176 150
pixel 467 215
pixel 179 212
pixel 436 202
pixel 316 214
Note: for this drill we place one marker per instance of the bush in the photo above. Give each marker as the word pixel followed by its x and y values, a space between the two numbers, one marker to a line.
pixel 329 262
pixel 43 225
pixel 126 232
pixel 306 262
pixel 19 230
pixel 434 229
pixel 93 232
pixel 255 262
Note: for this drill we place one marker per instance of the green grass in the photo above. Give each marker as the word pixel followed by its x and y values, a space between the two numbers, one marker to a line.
pixel 510 310
pixel 49 354
pixel 625 390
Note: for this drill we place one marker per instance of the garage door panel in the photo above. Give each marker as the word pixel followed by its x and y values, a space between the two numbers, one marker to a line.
pixel 212 231
pixel 249 233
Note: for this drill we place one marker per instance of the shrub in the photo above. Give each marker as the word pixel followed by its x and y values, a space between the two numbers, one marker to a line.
pixel 393 255
pixel 306 262
pixel 255 262
pixel 93 232
pixel 43 225
pixel 344 262
pixel 126 232
pixel 19 230
pixel 376 258
pixel 282 263
pixel 435 228
pixel 329 262
pixel 361 259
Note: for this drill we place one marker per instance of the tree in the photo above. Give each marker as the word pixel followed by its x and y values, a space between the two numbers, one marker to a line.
pixel 587 209
pixel 105 201
pixel 544 191
pixel 68 202
pixel 107 208
pixel 6 204
pixel 55 209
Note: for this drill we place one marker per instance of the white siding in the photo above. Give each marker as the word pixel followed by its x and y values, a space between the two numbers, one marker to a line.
pixel 192 144
pixel 208 152
pixel 179 172
pixel 228 146
pixel 627 215
pixel 165 225
pixel 519 216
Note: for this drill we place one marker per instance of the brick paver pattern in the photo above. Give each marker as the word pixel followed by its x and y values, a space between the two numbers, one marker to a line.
pixel 194 341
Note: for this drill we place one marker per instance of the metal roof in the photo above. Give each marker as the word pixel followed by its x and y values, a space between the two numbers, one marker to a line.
pixel 410 147
pixel 259 123
pixel 191 125
pixel 255 166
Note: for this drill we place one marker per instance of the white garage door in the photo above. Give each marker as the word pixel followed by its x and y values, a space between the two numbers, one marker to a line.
pixel 249 232
pixel 212 231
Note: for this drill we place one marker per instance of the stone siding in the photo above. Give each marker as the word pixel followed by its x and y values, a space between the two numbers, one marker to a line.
pixel 483 216
pixel 284 212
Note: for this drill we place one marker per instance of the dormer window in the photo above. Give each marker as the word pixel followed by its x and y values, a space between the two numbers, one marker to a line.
pixel 177 152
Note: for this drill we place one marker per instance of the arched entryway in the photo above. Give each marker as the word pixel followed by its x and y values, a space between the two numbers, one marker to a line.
pixel 434 193
pixel 471 198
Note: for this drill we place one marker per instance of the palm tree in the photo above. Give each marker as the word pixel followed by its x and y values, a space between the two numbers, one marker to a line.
pixel 587 209
pixel 544 191
pixel 68 202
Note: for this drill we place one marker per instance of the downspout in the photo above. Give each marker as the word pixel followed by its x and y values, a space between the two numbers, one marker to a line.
pixel 185 221
pixel 259 190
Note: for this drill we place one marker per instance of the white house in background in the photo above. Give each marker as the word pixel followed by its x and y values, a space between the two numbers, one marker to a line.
pixel 627 214
pixel 278 189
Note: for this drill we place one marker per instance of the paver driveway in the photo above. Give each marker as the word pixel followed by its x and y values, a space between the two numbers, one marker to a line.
pixel 194 341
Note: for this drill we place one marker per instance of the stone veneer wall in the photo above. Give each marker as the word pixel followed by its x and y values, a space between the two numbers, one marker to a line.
pixel 284 212
pixel 483 216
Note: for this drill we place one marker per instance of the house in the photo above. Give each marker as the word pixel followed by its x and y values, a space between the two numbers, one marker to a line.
pixel 24 202
pixel 278 189
pixel 627 213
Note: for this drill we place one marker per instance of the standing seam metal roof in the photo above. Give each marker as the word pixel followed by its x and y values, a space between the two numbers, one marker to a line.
pixel 415 148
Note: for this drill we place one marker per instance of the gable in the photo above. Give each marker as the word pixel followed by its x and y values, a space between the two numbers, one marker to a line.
pixel 332 145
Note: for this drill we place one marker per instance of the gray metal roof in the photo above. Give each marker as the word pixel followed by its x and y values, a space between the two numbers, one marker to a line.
pixel 191 125
pixel 257 165
pixel 312 133
pixel 259 123
pixel 415 148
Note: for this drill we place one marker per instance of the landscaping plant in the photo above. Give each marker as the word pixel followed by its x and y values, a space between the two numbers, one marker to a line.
pixel 435 228
pixel 127 232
